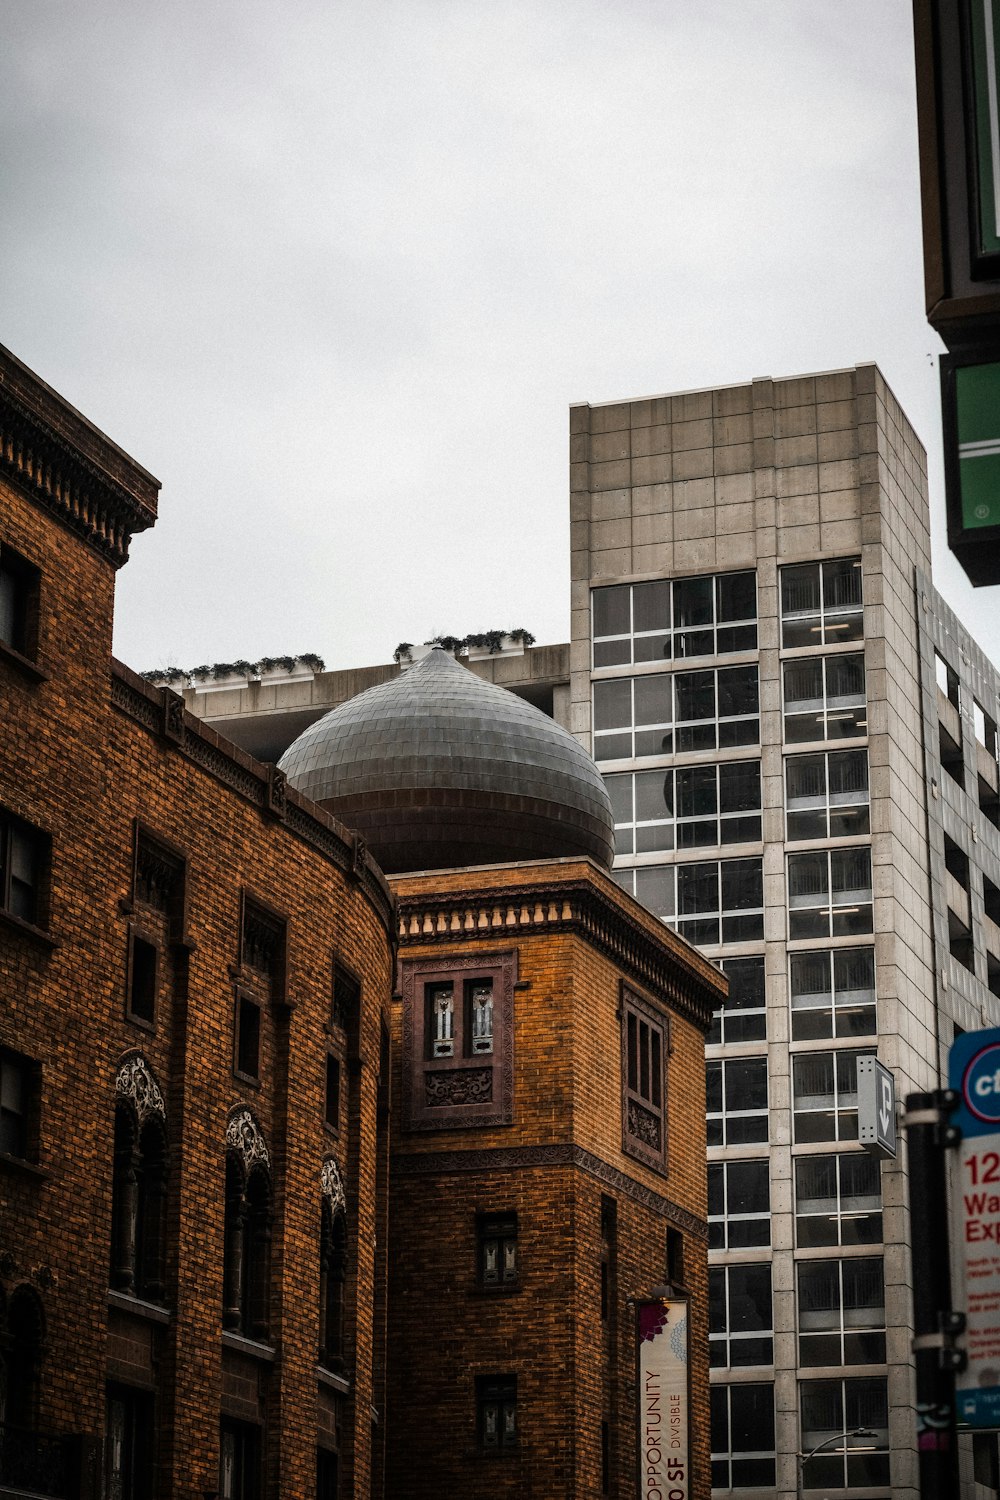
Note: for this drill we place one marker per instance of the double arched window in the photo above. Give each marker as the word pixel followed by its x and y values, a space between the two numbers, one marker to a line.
pixel 246 1278
pixel 139 1182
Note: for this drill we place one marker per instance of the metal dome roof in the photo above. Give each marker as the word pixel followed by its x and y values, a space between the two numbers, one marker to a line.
pixel 438 769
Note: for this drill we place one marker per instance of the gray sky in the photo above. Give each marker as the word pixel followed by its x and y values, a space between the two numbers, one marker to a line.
pixel 334 273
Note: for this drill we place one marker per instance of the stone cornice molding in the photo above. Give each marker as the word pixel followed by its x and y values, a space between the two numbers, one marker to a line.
pixel 162 712
pixel 522 1158
pixel 66 465
pixel 688 983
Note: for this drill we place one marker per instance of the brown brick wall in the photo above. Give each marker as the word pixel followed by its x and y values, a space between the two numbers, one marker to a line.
pixel 552 1165
pixel 83 770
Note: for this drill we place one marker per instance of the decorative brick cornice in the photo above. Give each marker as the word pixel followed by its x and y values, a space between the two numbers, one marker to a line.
pixel 66 465
pixel 523 1158
pixel 667 966
pixel 159 711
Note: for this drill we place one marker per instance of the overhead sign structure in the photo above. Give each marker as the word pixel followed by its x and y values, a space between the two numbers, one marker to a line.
pixel 974 1074
pixel 970 407
pixel 664 1399
pixel 876 1107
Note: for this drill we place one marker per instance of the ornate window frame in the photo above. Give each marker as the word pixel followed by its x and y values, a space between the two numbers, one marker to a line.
pixel 644 1115
pixel 467 1088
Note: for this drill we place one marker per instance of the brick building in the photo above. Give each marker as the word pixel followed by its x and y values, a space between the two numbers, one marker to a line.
pixel 205 980
pixel 195 969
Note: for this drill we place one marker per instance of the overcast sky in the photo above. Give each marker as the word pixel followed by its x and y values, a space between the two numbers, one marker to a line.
pixel 334 273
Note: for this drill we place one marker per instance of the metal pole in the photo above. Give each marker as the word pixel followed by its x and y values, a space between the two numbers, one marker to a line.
pixel 937 1448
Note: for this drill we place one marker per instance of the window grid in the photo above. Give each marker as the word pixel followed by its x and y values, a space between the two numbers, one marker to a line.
pixel 686 808
pixel 739 1204
pixel 830 893
pixel 824 698
pixel 743 1017
pixel 832 994
pixel 737 1112
pixel 497 1237
pixel 825 1096
pixel 821 603
pixel 829 1410
pixel 644 1050
pixel 841 1312
pixel 674 619
pixel 741 1316
pixel 712 901
pixel 838 1200
pixel 665 713
pixel 743 1447
pixel 496 1398
pixel 826 796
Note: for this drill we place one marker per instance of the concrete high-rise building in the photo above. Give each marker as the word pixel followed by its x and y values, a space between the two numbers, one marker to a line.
pixel 800 742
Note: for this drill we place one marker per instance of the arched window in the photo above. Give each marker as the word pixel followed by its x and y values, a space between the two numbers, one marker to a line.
pixel 25 1347
pixel 246 1274
pixel 139 1183
pixel 332 1276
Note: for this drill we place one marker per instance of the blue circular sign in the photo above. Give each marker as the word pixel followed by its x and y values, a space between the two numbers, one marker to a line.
pixel 981 1084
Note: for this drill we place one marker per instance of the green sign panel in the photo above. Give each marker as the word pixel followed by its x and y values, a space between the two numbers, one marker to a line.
pixel 977 391
pixel 985 16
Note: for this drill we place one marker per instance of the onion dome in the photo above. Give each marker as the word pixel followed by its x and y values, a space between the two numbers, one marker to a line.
pixel 438 769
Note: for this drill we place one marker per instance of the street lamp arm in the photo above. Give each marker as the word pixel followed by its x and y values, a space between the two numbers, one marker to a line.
pixel 838 1437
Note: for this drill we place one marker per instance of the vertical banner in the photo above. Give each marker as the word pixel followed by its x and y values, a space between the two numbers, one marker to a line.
pixel 974 1073
pixel 664 1400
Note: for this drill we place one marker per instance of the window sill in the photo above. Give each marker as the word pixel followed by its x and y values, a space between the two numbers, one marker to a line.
pixel 18 1167
pixel 29 930
pixel 243 1345
pixel 23 664
pixel 334 1382
pixel 153 1312
pixel 250 1080
pixel 510 1290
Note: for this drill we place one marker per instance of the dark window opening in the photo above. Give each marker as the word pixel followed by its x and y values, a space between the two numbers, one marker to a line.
pixel 496 1236
pixel 128 1444
pixel 332 1091
pixel 246 1274
pixel 496 1403
pixel 158 880
pixel 675 1257
pixel 142 967
pixel 23 1348
pixel 247 1037
pixel 605 1458
pixel 262 944
pixel 346 1007
pixel 19 1093
pixel 138 1206
pixel 333 1276
pixel 19 594
pixel 327 1474
pixel 991 900
pixel 609 1258
pixel 23 861
pixel 239 1460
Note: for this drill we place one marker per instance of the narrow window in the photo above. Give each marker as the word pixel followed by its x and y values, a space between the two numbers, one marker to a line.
pixel 496 1401
pixel 441 1014
pixel 247 1036
pixel 643 1055
pixel 19 590
pixel 142 966
pixel 23 857
pixel 481 1011
pixel 497 1237
pixel 609 1258
pixel 333 1276
pixel 675 1257
pixel 239 1460
pixel 332 1091
pixel 18 1088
